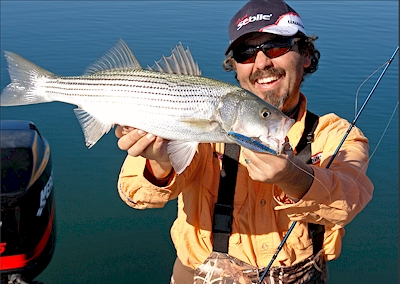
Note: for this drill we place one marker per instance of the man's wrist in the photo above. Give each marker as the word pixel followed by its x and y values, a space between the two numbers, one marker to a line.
pixel 158 174
pixel 300 182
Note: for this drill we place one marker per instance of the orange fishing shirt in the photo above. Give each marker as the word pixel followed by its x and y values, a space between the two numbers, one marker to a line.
pixel 262 212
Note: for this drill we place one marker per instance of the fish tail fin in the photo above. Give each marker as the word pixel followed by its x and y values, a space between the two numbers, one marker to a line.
pixel 25 87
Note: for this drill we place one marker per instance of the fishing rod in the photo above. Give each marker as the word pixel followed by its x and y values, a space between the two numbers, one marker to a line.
pixel 331 160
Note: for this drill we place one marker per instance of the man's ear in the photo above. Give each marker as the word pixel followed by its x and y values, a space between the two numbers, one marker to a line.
pixel 307 60
pixel 232 63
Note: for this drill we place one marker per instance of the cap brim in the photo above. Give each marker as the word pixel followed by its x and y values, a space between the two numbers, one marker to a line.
pixel 280 30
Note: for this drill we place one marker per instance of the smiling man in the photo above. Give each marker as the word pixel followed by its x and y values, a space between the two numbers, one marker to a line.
pixel 273 78
pixel 271 54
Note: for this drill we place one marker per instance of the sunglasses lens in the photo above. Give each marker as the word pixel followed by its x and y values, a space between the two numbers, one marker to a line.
pixel 276 51
pixel 247 54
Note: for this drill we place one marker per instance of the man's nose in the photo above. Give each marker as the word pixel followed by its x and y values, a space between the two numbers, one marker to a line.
pixel 262 61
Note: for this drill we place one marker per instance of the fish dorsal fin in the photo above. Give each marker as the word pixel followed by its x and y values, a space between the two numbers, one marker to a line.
pixel 181 154
pixel 119 57
pixel 180 62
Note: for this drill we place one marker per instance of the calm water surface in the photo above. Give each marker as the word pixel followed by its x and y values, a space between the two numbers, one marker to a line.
pixel 100 239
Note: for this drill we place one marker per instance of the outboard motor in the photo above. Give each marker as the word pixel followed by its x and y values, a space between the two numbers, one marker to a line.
pixel 27 207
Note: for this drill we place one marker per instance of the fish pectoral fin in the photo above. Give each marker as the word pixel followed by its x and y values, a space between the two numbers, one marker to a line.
pixel 181 154
pixel 119 57
pixel 203 124
pixel 93 129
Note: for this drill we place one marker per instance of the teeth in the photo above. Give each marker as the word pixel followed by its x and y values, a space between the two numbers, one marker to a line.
pixel 267 80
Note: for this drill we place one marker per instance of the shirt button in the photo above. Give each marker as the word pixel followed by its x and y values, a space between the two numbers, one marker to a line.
pixel 262 202
pixel 264 246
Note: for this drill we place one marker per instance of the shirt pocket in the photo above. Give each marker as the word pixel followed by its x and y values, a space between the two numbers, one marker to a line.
pixel 299 238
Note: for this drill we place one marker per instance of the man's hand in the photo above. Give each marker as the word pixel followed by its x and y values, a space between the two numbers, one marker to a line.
pixel 139 143
pixel 286 171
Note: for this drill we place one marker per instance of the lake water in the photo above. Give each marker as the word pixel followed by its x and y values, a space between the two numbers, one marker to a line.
pixel 100 239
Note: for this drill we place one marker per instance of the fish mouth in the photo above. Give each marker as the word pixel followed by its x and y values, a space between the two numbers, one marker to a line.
pixel 271 142
pixel 276 139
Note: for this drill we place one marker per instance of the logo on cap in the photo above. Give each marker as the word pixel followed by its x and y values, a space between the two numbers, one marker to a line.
pixel 251 19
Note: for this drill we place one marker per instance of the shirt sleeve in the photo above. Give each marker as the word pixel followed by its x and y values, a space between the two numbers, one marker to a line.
pixel 138 192
pixel 340 192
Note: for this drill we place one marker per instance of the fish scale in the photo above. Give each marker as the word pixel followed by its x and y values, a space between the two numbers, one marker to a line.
pixel 176 105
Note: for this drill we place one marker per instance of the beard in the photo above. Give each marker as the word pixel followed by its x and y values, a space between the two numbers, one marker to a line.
pixel 277 101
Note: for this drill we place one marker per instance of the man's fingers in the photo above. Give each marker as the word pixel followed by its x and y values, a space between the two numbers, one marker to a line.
pixel 118 131
pixel 123 130
pixel 140 143
pixel 127 129
pixel 132 138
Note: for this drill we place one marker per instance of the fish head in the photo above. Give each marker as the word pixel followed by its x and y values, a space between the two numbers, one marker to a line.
pixel 256 119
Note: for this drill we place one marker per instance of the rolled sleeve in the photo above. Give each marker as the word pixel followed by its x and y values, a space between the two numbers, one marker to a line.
pixel 136 191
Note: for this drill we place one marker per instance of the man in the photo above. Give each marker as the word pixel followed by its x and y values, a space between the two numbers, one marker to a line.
pixel 270 53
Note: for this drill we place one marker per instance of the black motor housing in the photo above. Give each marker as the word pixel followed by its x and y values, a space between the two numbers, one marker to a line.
pixel 27 206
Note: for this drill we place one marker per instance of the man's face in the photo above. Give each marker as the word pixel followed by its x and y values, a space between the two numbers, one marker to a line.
pixel 275 80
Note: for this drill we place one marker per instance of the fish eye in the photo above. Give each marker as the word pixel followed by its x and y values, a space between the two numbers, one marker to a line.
pixel 265 113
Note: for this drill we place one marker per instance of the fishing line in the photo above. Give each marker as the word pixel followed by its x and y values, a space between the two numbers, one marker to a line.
pixel 386 128
pixel 362 107
pixel 380 139
pixel 372 74
pixel 332 158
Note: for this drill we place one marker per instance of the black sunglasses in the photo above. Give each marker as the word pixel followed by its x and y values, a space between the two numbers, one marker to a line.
pixel 244 53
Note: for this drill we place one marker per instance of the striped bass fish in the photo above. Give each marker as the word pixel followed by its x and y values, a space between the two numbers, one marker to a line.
pixel 170 100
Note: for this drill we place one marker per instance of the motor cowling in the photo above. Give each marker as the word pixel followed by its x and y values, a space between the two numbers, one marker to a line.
pixel 27 205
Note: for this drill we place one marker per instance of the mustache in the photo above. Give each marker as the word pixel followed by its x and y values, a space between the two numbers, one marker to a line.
pixel 266 73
